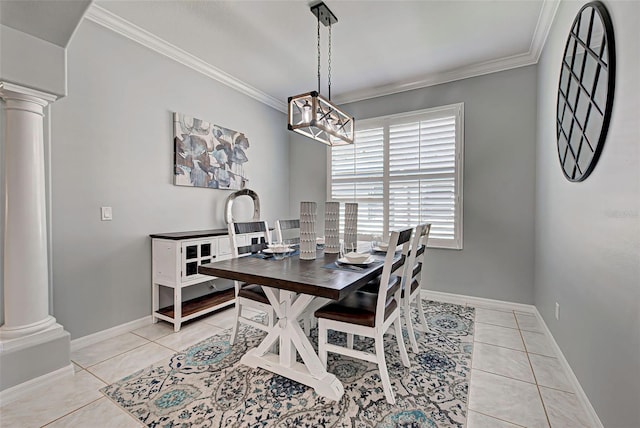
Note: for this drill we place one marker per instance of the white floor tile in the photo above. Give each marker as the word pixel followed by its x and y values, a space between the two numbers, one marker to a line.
pixel 564 409
pixel 549 372
pixel 188 336
pixel 478 420
pixel 489 306
pixel 488 316
pixel 76 368
pixel 522 312
pixel 506 399
pixel 223 320
pixel 130 362
pixel 101 413
pixel 155 331
pixel 529 323
pixel 538 343
pixel 250 312
pixel 502 361
pixel 500 336
pixel 93 354
pixel 51 401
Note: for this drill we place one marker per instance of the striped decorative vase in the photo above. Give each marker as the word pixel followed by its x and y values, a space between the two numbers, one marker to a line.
pixel 307 230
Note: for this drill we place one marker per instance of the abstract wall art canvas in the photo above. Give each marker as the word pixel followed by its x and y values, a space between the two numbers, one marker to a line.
pixel 208 155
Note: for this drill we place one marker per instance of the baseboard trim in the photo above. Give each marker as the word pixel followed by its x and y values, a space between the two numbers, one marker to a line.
pixel 577 388
pixel 99 336
pixel 460 299
pixel 15 392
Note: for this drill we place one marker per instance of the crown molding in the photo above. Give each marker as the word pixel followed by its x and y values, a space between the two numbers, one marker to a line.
pixel 474 70
pixel 127 29
pixel 131 31
pixel 545 19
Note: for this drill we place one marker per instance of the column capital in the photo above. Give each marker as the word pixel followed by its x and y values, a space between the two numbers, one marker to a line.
pixel 11 91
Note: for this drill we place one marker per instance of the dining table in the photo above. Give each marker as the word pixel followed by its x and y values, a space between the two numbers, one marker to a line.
pixel 295 287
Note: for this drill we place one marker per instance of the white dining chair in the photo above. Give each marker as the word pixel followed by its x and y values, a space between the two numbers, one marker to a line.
pixel 411 281
pixel 369 314
pixel 288 231
pixel 251 296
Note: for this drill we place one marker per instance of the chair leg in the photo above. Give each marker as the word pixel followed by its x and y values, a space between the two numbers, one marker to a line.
pixel 322 343
pixel 403 351
pixel 407 319
pixel 423 320
pixel 384 374
pixel 236 323
pixel 350 340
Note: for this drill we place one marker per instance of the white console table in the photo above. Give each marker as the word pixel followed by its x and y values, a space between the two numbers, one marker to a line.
pixel 175 260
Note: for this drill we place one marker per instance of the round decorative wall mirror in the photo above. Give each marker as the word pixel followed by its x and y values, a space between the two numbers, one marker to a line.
pixel 585 91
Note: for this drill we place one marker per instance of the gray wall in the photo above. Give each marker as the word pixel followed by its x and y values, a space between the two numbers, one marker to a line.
pixel 23 58
pixel 500 112
pixel 2 208
pixel 588 234
pixel 308 173
pixel 112 145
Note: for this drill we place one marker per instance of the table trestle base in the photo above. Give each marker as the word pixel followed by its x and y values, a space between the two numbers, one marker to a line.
pixel 289 306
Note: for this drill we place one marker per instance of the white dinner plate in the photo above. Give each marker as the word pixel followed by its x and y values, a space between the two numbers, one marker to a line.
pixel 270 251
pixel 345 261
pixel 380 250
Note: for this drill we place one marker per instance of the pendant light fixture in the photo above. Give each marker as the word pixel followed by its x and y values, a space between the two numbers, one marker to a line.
pixel 313 115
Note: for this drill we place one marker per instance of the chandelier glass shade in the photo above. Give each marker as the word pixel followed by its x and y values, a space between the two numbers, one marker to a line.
pixel 314 116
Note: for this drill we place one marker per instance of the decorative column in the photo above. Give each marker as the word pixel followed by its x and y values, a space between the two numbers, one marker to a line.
pixel 26 278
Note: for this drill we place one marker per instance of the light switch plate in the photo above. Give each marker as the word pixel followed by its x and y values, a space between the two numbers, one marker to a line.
pixel 106 214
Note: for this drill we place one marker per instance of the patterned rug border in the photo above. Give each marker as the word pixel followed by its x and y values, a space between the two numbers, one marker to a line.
pixel 432 393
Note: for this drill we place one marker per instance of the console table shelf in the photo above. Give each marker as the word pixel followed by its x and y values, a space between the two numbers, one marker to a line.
pixel 199 306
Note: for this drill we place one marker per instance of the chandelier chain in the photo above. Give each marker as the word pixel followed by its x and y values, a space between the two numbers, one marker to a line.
pixel 329 76
pixel 318 53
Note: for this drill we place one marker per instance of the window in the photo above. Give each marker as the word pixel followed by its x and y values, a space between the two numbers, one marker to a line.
pixel 403 170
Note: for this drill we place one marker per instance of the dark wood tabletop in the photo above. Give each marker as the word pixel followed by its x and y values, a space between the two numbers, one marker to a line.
pixel 302 276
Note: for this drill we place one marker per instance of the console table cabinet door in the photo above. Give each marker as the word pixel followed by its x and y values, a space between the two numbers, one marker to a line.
pixel 196 253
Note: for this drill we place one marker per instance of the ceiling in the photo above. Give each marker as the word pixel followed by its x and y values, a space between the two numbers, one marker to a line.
pixel 268 49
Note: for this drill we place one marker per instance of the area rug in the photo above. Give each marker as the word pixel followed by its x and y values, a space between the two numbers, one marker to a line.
pixel 206 386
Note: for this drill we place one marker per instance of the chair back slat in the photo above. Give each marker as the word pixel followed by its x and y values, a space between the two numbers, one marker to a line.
pixel 404 236
pixel 386 293
pixel 252 249
pixel 249 227
pixel 254 227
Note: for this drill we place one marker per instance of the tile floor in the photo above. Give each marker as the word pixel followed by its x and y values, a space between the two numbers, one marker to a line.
pixel 516 381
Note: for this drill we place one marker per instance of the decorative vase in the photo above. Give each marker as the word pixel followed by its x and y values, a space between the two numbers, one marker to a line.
pixel 332 227
pixel 307 230
pixel 350 227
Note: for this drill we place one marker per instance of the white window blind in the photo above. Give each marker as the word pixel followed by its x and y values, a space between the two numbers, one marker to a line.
pixel 357 175
pixel 404 170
